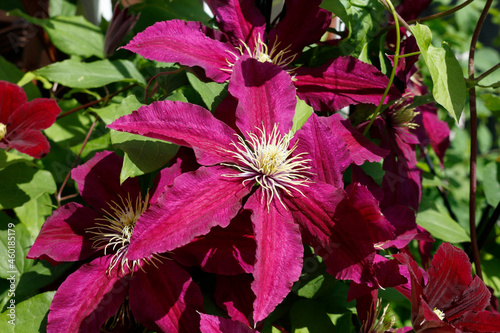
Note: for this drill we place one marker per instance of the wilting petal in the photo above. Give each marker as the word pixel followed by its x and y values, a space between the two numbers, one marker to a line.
pixel 31 142
pixel 240 20
pixel 341 82
pixel 87 299
pixel 37 114
pixel 99 181
pixel 279 253
pixel 183 124
pixel 326 150
pixel 12 96
pixel 235 295
pixel 304 24
pixel 164 298
pixel 228 251
pixel 214 324
pixel 265 94
pixel 64 235
pixel 195 203
pixel 185 43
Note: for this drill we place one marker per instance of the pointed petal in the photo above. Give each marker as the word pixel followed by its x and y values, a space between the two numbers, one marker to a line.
pixel 183 124
pixel 164 298
pixel 304 24
pixel 37 114
pixel 87 299
pixel 228 251
pixel 185 43
pixel 12 97
pixel 326 150
pixel 195 203
pixel 235 295
pixel 341 82
pixel 165 178
pixel 214 324
pixel 240 20
pixel 99 181
pixel 266 96
pixel 473 299
pixel 31 142
pixel 63 236
pixel 279 253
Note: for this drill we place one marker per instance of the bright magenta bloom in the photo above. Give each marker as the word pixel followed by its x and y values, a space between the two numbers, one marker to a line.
pixel 108 288
pixel 331 86
pixel 257 166
pixel 449 299
pixel 22 121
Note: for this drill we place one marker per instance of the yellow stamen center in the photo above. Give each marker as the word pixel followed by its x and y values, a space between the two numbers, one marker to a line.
pixel 439 313
pixel 3 131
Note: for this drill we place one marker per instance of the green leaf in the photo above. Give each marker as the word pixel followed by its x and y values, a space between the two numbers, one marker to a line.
pixel 9 72
pixel 302 113
pixel 73 35
pixel 442 226
pixel 492 183
pixel 337 8
pixel 34 213
pixel 30 315
pixel 212 93
pixel 75 74
pixel 8 158
pixel 449 88
pixel 15 242
pixel 309 316
pixel 20 184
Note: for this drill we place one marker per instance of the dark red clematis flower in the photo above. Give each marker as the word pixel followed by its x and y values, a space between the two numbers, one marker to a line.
pixel 451 300
pixel 22 121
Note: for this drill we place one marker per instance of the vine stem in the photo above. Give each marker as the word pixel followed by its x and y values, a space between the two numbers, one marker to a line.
pixel 473 144
pixel 153 78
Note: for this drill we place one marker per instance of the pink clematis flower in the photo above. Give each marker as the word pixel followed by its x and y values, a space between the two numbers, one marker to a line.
pixel 451 300
pixel 331 86
pixel 257 168
pixel 22 121
pixel 109 288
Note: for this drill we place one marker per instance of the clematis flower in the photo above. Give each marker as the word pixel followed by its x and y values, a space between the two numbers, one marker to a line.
pixel 22 121
pixel 109 289
pixel 332 86
pixel 452 300
pixel 257 164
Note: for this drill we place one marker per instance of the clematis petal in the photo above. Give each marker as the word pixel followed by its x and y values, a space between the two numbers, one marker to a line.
pixel 235 295
pixel 265 94
pixel 483 321
pixel 183 124
pixel 228 251
pixel 165 178
pixel 99 181
pixel 428 321
pixel 240 20
pixel 437 130
pixel 279 253
pixel 12 97
pixel 195 203
pixel 164 298
pixel 304 24
pixel 37 114
pixel 326 150
pixel 87 299
pixel 185 43
pixel 473 299
pixel 214 324
pixel 63 236
pixel 30 141
pixel 341 82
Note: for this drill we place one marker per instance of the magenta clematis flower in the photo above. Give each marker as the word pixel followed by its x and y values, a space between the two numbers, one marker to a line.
pixel 332 86
pixel 22 121
pixel 451 300
pixel 260 165
pixel 109 287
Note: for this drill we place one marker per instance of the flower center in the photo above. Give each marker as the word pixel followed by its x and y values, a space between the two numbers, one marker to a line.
pixel 439 313
pixel 114 230
pixel 402 114
pixel 266 160
pixel 3 131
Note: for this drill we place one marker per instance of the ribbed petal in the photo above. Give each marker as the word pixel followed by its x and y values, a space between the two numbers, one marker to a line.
pixel 483 321
pixel 195 203
pixel 234 294
pixel 30 141
pixel 266 96
pixel 165 178
pixel 326 150
pixel 473 299
pixel 185 43
pixel 12 97
pixel 214 324
pixel 64 235
pixel 240 20
pixel 183 124
pixel 37 114
pixel 341 82
pixel 279 253
pixel 164 298
pixel 99 181
pixel 304 24
pixel 87 299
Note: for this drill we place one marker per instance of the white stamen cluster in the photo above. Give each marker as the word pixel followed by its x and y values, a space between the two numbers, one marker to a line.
pixel 115 229
pixel 3 131
pixel 403 114
pixel 266 160
pixel 439 313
